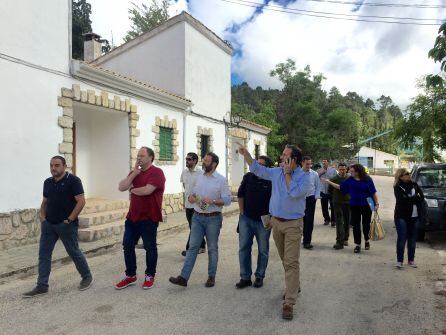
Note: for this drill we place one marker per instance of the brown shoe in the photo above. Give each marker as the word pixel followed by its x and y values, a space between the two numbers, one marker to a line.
pixel 180 281
pixel 210 282
pixel 287 312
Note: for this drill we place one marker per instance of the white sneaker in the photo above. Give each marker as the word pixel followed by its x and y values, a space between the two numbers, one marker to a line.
pixel 399 265
pixel 412 264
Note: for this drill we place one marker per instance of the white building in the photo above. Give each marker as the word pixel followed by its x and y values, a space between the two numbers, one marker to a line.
pixel 379 161
pixel 168 89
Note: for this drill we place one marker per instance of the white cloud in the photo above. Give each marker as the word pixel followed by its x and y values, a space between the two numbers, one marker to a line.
pixel 369 58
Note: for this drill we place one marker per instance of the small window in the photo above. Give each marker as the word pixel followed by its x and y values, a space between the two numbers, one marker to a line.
pixel 165 144
pixel 257 151
pixel 204 145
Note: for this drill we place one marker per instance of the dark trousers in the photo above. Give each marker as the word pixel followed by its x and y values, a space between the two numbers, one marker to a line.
pixel 407 232
pixel 146 230
pixel 342 215
pixel 189 214
pixel 358 213
pixel 325 201
pixel 67 233
pixel 310 207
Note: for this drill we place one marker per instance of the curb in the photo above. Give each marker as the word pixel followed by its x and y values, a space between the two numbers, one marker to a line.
pixel 30 270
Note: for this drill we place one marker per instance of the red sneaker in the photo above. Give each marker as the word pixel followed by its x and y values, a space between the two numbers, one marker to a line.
pixel 127 281
pixel 149 281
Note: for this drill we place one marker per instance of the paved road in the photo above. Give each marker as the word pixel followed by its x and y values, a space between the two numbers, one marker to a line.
pixel 342 293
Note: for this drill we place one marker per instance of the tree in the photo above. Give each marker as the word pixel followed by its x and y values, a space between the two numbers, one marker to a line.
pixel 81 11
pixel 438 54
pixel 145 18
pixel 426 119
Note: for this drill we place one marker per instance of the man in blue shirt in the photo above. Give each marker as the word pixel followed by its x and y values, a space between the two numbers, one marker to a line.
pixel 290 186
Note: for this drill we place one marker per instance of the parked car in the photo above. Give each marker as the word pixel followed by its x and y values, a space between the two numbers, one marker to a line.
pixel 432 180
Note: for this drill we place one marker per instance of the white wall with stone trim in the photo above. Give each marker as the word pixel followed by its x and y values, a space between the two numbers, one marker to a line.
pixel 148 114
pixel 257 138
pixel 38 32
pixel 158 61
pixel 208 75
pixel 218 133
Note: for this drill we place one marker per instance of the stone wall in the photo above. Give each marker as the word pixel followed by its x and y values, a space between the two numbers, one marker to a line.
pixel 173 203
pixel 19 228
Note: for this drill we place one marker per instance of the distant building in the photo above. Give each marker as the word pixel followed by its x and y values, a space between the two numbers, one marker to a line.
pixel 377 160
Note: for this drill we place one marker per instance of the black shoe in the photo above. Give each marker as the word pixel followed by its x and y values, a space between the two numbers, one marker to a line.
pixel 244 283
pixel 183 253
pixel 338 246
pixel 258 282
pixel 180 281
pixel 333 224
pixel 36 291
pixel 367 245
pixel 85 283
pixel 326 223
pixel 357 249
pixel 308 246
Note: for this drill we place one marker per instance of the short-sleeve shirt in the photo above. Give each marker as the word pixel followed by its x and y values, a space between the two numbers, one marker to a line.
pixel 189 178
pixel 256 193
pixel 60 197
pixel 359 190
pixel 148 207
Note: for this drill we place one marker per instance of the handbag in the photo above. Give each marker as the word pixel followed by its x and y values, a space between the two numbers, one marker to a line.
pixel 377 231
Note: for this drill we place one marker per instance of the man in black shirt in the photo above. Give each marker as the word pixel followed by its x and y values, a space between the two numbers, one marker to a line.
pixel 253 199
pixel 63 200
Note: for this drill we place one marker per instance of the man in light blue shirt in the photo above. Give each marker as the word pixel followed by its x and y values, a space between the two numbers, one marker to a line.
pixel 208 196
pixel 290 186
pixel 312 195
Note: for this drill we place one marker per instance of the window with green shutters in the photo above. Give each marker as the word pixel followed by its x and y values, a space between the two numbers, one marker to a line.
pixel 165 144
pixel 256 151
pixel 204 145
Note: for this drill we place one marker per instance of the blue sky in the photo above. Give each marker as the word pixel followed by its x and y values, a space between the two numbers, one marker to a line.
pixel 369 58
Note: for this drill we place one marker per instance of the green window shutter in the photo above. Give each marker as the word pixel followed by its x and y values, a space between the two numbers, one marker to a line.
pixel 165 144
pixel 204 145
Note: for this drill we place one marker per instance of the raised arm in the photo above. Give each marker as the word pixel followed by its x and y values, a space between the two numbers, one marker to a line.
pixel 259 170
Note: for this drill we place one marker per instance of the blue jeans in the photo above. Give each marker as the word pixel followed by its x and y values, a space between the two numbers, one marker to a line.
pixel 407 231
pixel 248 228
pixel 133 232
pixel 208 226
pixel 67 233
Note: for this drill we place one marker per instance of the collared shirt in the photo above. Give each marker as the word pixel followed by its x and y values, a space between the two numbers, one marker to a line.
pixel 315 184
pixel 285 203
pixel 256 193
pixel 214 187
pixel 60 197
pixel 326 175
pixel 189 178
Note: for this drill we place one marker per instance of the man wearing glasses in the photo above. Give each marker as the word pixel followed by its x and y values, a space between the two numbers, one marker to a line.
pixel 188 179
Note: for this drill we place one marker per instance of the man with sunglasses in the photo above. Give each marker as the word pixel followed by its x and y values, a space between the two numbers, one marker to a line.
pixel 188 179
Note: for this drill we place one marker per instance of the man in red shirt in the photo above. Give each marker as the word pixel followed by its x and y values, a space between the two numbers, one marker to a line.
pixel 146 186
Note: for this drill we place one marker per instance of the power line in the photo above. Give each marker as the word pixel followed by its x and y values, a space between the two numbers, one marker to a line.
pixel 333 15
pixel 340 14
pixel 378 4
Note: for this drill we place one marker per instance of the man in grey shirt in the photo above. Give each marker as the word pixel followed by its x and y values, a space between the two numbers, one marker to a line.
pixel 326 172
pixel 210 194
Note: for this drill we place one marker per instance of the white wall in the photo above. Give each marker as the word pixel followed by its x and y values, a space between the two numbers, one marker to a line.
pixel 253 136
pixel 102 150
pixel 208 75
pixel 37 32
pixel 158 61
pixel 29 134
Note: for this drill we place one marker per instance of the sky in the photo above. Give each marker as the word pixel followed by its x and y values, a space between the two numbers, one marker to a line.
pixel 369 58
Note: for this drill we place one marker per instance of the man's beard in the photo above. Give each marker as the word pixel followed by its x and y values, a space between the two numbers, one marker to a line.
pixel 207 169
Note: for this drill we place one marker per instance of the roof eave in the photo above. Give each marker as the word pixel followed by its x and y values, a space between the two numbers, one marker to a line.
pixel 95 75
pixel 255 127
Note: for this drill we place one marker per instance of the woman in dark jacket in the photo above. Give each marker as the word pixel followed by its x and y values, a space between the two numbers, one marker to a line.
pixel 408 207
pixel 361 189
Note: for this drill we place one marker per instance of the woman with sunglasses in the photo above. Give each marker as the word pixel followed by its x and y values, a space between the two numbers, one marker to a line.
pixel 409 199
pixel 362 190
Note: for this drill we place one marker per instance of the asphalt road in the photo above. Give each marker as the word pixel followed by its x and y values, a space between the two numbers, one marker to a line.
pixel 342 293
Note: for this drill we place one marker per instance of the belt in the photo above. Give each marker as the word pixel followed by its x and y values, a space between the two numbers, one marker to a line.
pixel 283 220
pixel 207 214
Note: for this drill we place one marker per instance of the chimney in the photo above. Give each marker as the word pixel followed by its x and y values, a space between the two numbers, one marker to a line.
pixel 92 46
